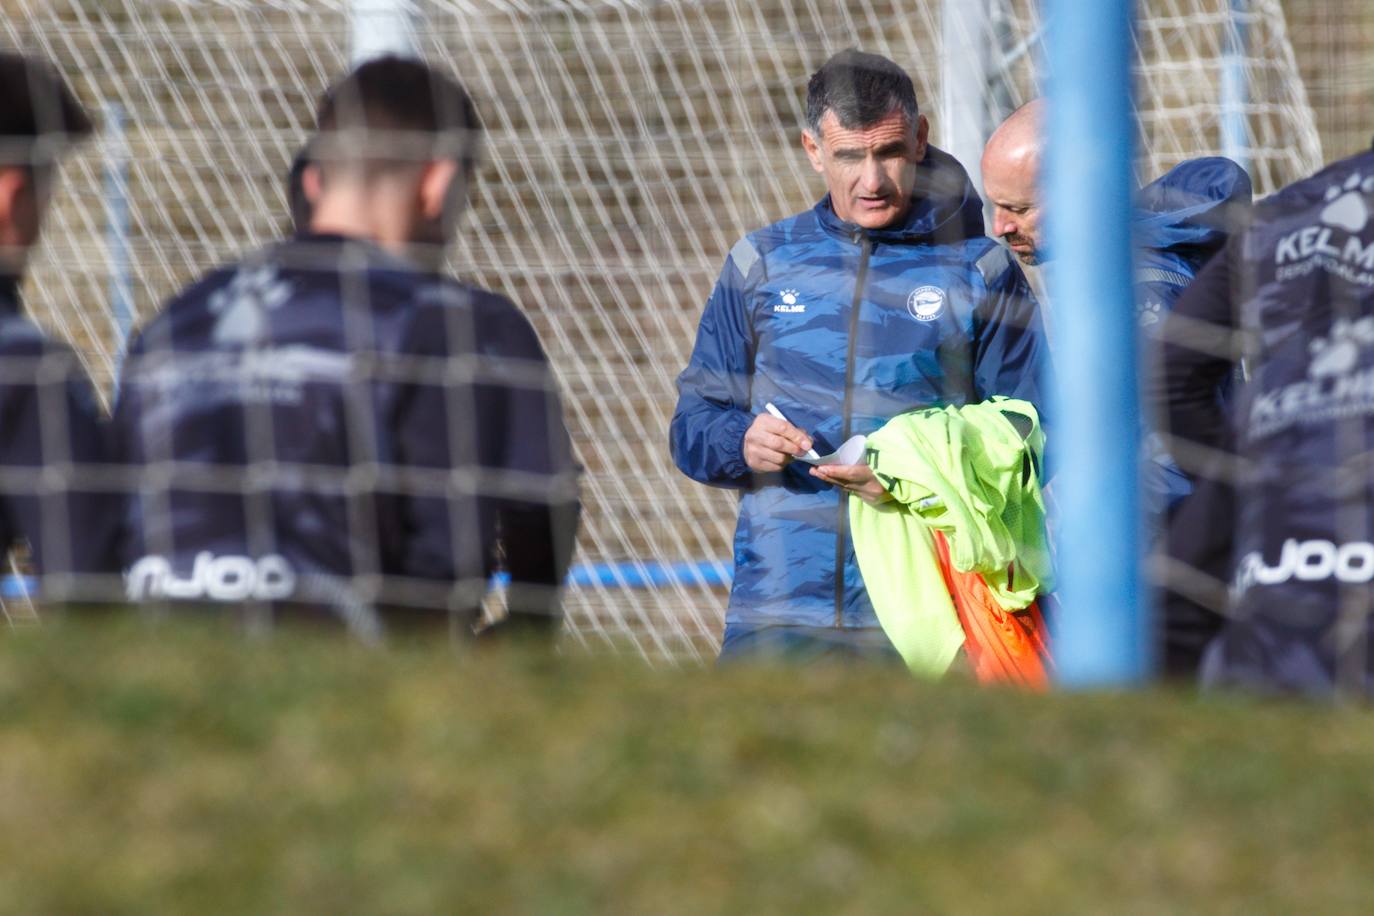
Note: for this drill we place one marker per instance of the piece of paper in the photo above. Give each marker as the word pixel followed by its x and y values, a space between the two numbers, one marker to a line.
pixel 852 452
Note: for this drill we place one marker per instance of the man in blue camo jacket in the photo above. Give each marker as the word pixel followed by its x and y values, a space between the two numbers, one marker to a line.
pixel 885 297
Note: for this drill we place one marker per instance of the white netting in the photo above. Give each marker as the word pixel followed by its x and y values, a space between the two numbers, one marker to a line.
pixel 630 144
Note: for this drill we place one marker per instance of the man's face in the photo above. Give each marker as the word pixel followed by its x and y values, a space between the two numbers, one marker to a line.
pixel 1010 187
pixel 870 170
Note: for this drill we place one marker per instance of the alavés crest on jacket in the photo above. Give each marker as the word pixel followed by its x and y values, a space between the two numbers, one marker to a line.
pixel 926 303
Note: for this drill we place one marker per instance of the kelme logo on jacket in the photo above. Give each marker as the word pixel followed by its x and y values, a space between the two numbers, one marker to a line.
pixel 242 306
pixel 789 304
pixel 1334 244
pixel 1339 383
pixel 926 303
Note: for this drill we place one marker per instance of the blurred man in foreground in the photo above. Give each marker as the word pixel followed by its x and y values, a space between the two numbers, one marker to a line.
pixel 1293 296
pixel 52 441
pixel 331 427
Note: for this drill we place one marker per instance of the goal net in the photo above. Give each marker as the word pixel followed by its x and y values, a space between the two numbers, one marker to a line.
pixel 630 144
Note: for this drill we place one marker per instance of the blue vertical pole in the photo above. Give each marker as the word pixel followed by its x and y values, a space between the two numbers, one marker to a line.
pixel 1102 635
pixel 116 183
pixel 1235 87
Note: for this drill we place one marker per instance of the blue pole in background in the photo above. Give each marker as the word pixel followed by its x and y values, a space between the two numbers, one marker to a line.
pixel 116 184
pixel 1235 86
pixel 1102 635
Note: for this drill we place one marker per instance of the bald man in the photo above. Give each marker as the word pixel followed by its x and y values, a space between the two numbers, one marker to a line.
pixel 1011 170
pixel 1180 220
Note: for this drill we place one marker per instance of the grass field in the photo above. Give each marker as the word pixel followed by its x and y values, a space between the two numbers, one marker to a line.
pixel 189 769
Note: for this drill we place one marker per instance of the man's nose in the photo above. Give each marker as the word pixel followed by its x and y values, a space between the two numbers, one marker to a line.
pixel 874 179
pixel 1002 224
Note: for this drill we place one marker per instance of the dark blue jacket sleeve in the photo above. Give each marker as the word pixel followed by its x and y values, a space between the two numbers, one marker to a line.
pixel 1198 349
pixel 1010 353
pixel 713 411
pixel 55 440
pixel 486 410
pixel 532 468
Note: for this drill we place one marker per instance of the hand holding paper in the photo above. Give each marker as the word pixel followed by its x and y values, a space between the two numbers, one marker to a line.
pixel 771 443
pixel 851 452
pixel 857 478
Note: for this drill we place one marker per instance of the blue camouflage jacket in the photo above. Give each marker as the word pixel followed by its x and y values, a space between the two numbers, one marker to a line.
pixel 1182 219
pixel 842 329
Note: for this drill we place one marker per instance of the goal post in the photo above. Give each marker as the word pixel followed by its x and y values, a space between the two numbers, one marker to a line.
pixel 1101 634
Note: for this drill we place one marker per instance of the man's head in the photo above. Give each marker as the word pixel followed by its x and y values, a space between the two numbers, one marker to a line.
pixel 397 143
pixel 1011 175
pixel 39 119
pixel 865 134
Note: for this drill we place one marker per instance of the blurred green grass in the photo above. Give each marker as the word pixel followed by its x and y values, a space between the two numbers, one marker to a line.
pixel 187 768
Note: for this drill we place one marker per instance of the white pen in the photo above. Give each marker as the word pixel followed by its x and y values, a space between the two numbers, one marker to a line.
pixel 811 453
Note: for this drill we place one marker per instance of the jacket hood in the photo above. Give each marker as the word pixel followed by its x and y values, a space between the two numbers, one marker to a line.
pixel 1191 210
pixel 945 207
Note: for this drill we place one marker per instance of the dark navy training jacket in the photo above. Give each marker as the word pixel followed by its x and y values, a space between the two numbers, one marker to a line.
pixel 1293 296
pixel 842 329
pixel 52 450
pixel 325 426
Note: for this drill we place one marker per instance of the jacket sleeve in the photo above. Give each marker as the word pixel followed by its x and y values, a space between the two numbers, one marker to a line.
pixel 53 424
pixel 706 436
pixel 1010 353
pixel 1198 349
pixel 535 476
pixel 485 411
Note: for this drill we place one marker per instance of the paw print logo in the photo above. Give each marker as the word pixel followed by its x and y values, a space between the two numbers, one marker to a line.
pixel 789 297
pixel 1339 353
pixel 1151 313
pixel 1346 207
pixel 242 306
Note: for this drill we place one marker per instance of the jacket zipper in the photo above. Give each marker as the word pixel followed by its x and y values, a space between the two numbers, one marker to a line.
pixel 842 523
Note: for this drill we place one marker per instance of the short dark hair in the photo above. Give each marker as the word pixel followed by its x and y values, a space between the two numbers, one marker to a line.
pixel 301 207
pixel 417 113
pixel 861 89
pixel 39 115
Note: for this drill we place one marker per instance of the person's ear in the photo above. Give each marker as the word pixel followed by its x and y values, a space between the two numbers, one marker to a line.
pixel 436 182
pixel 16 207
pixel 13 184
pixel 813 150
pixel 922 137
pixel 311 182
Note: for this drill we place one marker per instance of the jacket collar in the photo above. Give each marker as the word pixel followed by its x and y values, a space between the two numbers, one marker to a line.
pixel 377 257
pixel 945 208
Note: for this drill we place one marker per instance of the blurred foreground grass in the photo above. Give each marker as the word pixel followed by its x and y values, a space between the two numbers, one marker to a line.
pixel 185 768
